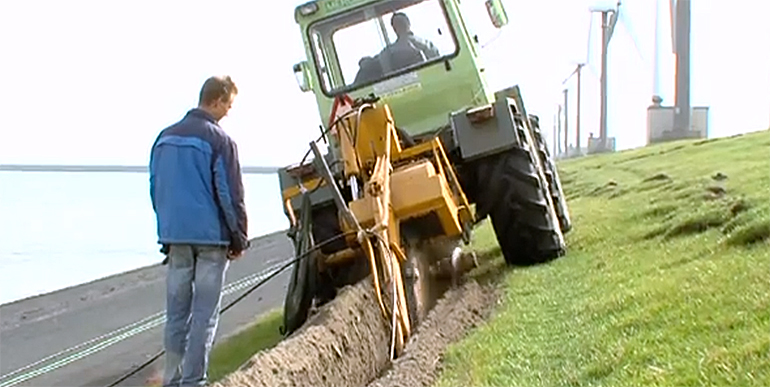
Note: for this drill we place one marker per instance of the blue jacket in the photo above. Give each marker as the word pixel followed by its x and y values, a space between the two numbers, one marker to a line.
pixel 195 184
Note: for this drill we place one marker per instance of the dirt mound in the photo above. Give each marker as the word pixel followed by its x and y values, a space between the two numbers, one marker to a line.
pixel 345 344
pixel 458 311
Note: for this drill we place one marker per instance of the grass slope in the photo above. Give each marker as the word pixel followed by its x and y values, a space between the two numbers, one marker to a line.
pixel 666 281
pixel 237 349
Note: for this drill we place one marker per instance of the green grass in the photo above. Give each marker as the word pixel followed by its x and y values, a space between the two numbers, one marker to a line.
pixel 666 281
pixel 238 348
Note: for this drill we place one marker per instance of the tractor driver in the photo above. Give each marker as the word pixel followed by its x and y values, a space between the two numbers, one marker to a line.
pixel 403 29
pixel 407 50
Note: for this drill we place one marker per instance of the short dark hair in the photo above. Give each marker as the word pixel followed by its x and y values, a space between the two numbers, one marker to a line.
pixel 216 88
pixel 398 15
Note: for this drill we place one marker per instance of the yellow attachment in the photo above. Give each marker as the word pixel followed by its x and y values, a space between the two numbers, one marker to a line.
pixel 378 130
pixel 416 190
pixel 398 185
pixel 362 138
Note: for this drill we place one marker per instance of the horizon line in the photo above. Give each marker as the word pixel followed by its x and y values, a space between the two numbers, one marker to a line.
pixel 260 170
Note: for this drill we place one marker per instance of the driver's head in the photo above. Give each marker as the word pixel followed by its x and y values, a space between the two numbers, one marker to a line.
pixel 400 24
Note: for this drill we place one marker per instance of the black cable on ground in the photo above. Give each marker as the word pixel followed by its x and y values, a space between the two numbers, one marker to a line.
pixel 241 297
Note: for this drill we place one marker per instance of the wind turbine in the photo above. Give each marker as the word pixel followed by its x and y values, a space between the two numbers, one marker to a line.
pixel 680 36
pixel 610 17
pixel 656 98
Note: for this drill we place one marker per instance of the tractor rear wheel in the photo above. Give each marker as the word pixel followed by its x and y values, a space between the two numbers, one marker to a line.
pixel 554 182
pixel 508 188
pixel 302 284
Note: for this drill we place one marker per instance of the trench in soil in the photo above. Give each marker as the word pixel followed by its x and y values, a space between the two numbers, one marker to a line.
pixel 347 342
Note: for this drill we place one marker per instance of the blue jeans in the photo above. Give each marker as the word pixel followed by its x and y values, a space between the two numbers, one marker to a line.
pixel 193 297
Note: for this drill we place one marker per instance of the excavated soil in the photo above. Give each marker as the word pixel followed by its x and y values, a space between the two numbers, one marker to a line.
pixel 347 342
pixel 458 311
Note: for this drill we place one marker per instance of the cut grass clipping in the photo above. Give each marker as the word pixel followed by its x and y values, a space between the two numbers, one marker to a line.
pixel 665 283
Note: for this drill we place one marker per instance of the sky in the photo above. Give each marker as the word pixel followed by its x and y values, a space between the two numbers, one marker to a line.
pixel 93 82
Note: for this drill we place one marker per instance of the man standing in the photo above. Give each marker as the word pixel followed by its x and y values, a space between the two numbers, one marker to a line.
pixel 197 195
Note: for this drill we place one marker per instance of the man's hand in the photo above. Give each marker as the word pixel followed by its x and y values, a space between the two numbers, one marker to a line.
pixel 233 255
pixel 237 247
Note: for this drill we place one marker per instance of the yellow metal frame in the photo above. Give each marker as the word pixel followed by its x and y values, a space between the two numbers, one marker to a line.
pixel 398 184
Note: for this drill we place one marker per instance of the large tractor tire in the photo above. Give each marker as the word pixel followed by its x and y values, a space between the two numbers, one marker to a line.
pixel 508 188
pixel 302 286
pixel 311 284
pixel 554 182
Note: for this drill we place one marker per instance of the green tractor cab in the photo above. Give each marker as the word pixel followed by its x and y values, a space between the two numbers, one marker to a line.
pixel 353 49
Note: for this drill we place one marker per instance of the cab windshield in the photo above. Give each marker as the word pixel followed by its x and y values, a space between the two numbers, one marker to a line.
pixel 378 41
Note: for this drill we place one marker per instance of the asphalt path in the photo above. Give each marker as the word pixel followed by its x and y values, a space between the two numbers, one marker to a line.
pixel 92 334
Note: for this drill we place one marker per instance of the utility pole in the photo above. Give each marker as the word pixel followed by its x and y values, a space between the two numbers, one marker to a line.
pixel 555 139
pixel 609 19
pixel 682 113
pixel 577 71
pixel 558 120
pixel 577 123
pixel 566 120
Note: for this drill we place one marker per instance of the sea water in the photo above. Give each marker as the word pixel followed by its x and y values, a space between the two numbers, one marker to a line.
pixel 60 229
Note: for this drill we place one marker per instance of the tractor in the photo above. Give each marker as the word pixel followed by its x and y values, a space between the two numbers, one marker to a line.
pixel 418 151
